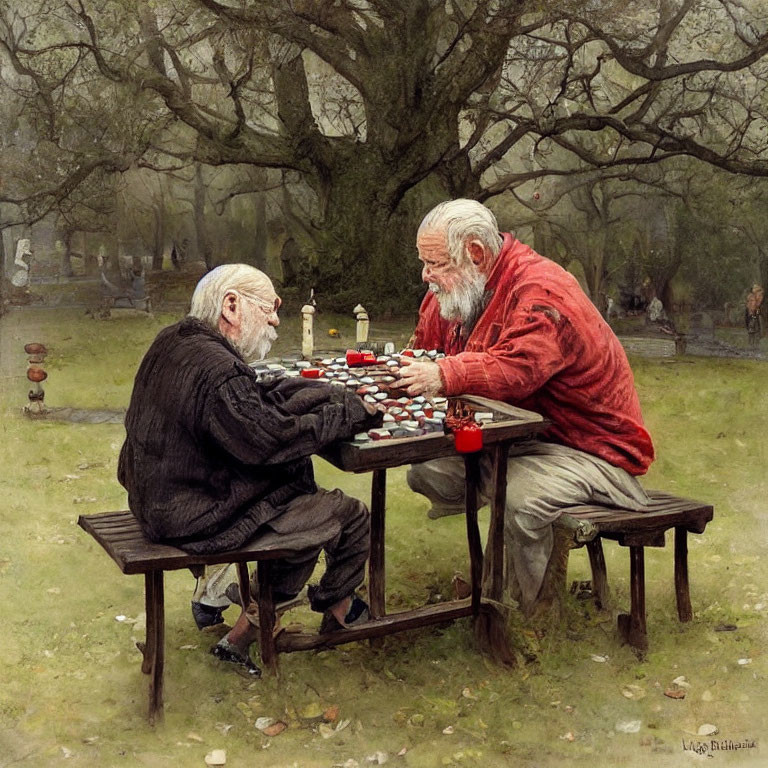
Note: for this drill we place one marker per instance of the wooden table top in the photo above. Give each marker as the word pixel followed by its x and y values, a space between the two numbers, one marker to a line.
pixel 510 423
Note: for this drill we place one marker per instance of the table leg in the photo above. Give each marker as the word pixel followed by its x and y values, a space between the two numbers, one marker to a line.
pixel 491 625
pixel 494 551
pixel 472 471
pixel 376 565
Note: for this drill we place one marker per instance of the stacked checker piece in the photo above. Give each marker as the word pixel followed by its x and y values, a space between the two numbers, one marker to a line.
pixel 373 378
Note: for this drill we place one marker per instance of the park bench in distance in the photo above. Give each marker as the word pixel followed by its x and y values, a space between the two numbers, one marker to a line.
pixel 638 530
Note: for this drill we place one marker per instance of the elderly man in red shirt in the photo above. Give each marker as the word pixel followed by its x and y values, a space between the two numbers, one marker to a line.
pixel 517 327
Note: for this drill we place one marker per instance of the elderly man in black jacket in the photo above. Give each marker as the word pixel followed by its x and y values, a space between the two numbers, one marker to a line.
pixel 215 456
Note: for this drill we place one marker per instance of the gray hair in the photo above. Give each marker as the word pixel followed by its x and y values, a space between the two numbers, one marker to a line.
pixel 463 220
pixel 209 293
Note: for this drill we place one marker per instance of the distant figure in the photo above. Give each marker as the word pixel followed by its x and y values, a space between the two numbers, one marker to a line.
pixel 656 313
pixel 178 254
pixel 752 319
pixel 20 277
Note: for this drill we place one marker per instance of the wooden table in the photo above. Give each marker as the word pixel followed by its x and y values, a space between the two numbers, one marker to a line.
pixel 510 425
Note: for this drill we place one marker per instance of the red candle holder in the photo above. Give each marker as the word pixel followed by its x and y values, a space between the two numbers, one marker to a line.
pixel 311 373
pixel 468 439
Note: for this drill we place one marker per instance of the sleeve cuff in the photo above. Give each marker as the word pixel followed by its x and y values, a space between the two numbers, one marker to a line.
pixel 452 378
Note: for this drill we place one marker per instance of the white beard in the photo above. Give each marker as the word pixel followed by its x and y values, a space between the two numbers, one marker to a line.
pixel 258 346
pixel 465 301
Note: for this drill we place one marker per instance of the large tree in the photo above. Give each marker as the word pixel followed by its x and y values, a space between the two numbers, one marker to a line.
pixel 373 109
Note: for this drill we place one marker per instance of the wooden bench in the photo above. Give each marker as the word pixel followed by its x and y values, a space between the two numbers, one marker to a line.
pixel 121 536
pixel 638 530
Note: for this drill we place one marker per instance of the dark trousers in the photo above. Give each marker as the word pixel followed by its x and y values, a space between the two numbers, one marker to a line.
pixel 327 521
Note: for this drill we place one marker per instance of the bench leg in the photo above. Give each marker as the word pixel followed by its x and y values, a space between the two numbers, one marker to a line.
pixel 682 589
pixel 632 627
pixel 267 619
pixel 599 573
pixel 154 650
pixel 376 560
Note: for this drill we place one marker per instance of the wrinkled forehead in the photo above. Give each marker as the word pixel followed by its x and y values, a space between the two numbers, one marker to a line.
pixel 432 245
pixel 260 287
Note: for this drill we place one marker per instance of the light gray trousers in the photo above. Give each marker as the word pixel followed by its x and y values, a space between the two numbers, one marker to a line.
pixel 542 480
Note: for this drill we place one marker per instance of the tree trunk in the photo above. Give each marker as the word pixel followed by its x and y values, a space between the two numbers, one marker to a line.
pixel 260 232
pixel 65 268
pixel 159 237
pixel 204 248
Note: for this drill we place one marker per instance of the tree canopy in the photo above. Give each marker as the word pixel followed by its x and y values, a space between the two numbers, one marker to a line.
pixel 363 113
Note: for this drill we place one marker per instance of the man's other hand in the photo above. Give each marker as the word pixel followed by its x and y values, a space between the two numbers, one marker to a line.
pixel 419 378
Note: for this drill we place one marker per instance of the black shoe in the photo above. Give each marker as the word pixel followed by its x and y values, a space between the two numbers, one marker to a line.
pixel 225 651
pixel 206 615
pixel 358 613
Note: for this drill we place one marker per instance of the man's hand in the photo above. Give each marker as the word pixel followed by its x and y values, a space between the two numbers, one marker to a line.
pixel 419 378
pixel 373 408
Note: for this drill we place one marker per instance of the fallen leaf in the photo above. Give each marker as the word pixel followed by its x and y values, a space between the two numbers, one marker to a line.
pixel 708 729
pixel 216 757
pixel 707 696
pixel 275 729
pixel 263 722
pixel 568 736
pixel 192 736
pixel 66 752
pixel 313 711
pixel 467 694
pixel 188 647
pixel 628 726
pixel 342 724
pixel 634 692
pixel 598 658
pixel 675 693
pixel 448 730
pixel 325 730
pixel 681 682
pixel 120 617
pixel 744 662
pixel 378 758
pixel 402 752
pixel 223 728
pixel 331 713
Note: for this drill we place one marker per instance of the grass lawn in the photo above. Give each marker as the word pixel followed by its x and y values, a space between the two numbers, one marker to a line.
pixel 71 689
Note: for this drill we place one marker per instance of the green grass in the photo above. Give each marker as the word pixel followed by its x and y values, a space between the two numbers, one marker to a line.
pixel 71 680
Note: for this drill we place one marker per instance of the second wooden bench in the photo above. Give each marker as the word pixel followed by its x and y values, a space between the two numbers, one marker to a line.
pixel 637 530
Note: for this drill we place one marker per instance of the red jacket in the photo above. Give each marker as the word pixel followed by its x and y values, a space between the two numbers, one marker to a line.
pixel 542 345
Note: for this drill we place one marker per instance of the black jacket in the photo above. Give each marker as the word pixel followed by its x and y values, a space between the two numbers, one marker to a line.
pixel 211 451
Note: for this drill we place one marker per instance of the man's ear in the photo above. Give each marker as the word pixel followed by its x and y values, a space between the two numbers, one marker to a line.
pixel 476 252
pixel 230 312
